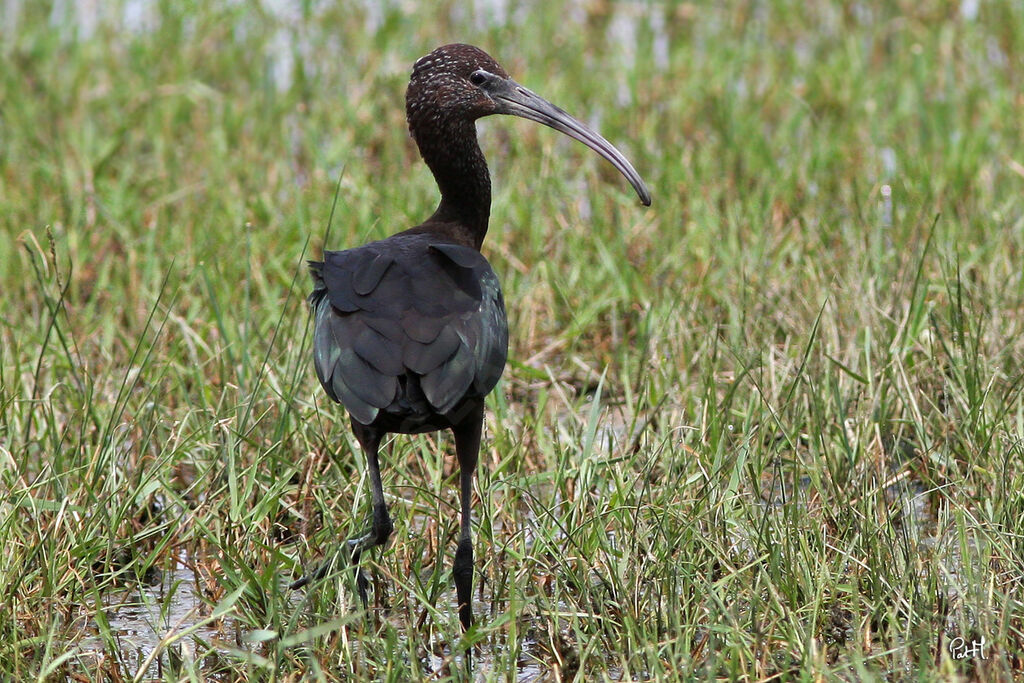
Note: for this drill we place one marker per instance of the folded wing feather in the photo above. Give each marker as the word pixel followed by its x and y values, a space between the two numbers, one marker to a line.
pixel 409 311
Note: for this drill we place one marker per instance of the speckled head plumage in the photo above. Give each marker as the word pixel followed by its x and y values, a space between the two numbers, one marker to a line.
pixel 440 85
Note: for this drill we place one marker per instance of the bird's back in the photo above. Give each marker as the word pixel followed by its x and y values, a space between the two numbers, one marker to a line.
pixel 407 330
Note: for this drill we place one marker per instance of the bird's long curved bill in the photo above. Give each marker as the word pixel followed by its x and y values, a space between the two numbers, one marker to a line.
pixel 516 100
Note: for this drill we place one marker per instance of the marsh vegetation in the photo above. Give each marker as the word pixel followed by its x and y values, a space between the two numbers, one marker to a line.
pixel 770 428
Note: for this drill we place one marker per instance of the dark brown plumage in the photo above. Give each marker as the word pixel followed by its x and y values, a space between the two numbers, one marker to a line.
pixel 410 331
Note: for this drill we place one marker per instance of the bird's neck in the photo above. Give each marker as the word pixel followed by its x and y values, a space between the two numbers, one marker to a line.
pixel 459 167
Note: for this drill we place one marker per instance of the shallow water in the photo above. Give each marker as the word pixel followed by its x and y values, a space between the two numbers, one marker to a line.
pixel 159 625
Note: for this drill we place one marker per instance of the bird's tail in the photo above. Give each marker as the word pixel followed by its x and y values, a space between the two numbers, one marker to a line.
pixel 316 269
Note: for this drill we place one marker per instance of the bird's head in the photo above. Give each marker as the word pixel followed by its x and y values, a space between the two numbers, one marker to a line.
pixel 462 82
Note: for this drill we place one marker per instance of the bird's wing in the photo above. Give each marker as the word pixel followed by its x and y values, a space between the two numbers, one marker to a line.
pixel 406 309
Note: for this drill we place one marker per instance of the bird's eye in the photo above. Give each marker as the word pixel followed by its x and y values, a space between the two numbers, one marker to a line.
pixel 477 78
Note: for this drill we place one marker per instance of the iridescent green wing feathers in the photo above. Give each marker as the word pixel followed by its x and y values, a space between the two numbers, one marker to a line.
pixel 409 326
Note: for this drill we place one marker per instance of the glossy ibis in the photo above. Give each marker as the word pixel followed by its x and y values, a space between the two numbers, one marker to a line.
pixel 410 331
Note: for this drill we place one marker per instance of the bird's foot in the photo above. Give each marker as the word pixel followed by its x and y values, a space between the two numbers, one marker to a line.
pixel 356 547
pixel 378 534
pixel 362 580
pixel 320 572
pixel 362 584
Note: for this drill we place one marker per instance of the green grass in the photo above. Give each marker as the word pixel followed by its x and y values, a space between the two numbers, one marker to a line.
pixel 770 428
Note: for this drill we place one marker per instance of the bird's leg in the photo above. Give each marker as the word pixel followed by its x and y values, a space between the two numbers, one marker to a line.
pixel 467 448
pixel 381 526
